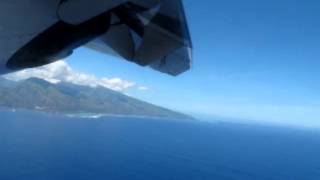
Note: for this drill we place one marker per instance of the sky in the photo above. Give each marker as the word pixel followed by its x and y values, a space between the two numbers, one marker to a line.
pixel 253 60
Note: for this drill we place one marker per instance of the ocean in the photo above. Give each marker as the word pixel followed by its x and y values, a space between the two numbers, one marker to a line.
pixel 50 147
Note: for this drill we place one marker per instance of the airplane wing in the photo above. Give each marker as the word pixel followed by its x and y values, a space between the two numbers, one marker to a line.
pixel 150 33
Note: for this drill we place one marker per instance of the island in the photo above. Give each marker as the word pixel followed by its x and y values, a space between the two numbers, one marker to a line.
pixel 70 99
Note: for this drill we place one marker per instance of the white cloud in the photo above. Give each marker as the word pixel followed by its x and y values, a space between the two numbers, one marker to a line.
pixel 60 71
pixel 143 88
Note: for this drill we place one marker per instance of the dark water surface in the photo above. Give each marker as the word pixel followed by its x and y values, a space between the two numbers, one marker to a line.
pixel 41 147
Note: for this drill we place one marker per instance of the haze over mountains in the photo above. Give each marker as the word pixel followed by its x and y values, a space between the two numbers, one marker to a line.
pixel 67 98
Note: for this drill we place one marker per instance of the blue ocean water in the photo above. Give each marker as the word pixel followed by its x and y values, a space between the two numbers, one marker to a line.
pixel 47 147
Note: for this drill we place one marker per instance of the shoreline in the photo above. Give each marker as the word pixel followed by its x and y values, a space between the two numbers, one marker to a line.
pixel 85 115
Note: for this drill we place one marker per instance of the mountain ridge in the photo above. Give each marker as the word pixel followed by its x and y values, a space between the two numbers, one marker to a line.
pixel 66 98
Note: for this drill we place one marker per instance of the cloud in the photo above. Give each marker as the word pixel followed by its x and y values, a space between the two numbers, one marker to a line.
pixel 143 88
pixel 60 71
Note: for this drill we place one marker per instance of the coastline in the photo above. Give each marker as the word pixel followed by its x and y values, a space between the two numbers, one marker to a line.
pixel 86 115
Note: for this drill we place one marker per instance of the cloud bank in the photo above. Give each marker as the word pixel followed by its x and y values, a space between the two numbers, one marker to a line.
pixel 60 71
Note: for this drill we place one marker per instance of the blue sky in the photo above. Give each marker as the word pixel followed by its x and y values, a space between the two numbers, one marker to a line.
pixel 252 60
